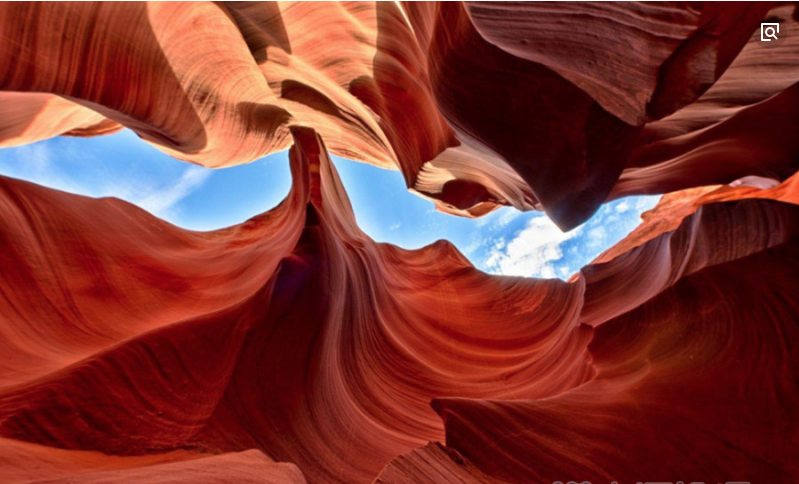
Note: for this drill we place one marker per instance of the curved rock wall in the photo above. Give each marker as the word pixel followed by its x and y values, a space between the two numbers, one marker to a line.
pixel 545 106
pixel 292 348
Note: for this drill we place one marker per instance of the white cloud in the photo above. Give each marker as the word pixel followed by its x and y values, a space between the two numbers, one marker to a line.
pixel 499 218
pixel 161 201
pixel 41 164
pixel 532 252
pixel 395 226
pixel 35 163
pixel 471 247
pixel 38 157
pixel 622 207
pixel 645 203
pixel 596 236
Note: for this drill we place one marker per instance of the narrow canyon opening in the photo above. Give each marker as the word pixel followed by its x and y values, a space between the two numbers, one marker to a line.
pixel 504 242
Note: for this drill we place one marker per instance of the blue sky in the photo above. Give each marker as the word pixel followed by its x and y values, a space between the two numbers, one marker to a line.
pixel 504 242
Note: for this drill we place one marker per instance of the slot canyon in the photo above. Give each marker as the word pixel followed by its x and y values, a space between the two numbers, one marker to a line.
pixel 292 348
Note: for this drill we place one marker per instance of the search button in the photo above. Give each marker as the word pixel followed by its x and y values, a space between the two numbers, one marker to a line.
pixel 769 31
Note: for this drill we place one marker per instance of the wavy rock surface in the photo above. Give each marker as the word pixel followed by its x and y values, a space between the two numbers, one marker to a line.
pixel 292 348
pixel 22 462
pixel 244 337
pixel 439 91
pixel 693 316
pixel 295 334
pixel 21 111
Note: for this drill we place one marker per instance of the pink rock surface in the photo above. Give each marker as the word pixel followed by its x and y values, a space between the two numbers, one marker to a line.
pixel 293 348
pixel 478 105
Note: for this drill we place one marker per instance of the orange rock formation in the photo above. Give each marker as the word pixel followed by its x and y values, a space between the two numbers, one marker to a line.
pixel 292 348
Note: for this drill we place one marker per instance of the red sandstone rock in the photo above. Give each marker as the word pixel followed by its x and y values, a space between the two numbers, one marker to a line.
pixel 244 337
pixel 693 315
pixel 478 105
pixel 30 463
pixel 24 116
pixel 134 350
pixel 260 348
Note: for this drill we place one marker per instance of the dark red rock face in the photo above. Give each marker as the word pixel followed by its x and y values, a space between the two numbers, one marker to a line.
pixel 292 348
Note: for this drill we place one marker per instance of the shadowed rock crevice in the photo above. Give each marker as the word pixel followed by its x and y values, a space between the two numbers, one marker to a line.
pixel 292 348
pixel 485 94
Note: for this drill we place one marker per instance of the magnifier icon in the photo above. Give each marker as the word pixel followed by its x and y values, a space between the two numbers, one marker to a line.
pixel 769 31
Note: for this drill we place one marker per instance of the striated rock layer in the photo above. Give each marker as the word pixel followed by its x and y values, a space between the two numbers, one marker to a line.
pixel 292 333
pixel 296 335
pixel 292 348
pixel 550 106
